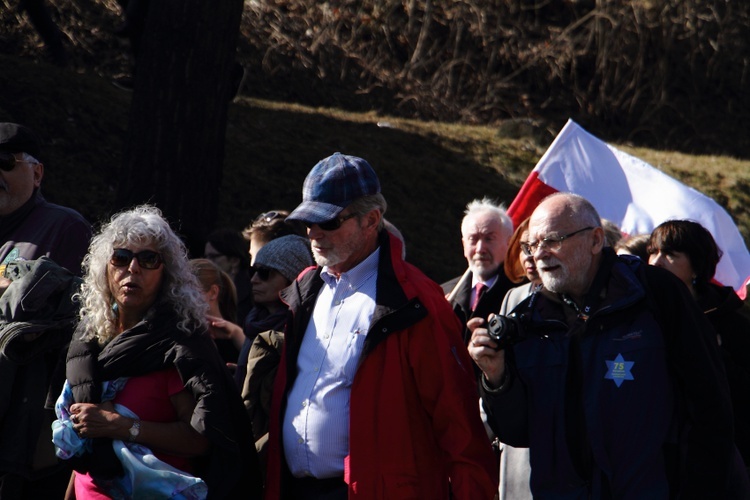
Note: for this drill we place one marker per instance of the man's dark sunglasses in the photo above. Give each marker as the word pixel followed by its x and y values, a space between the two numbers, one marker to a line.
pixel 261 272
pixel 7 162
pixel 333 224
pixel 147 259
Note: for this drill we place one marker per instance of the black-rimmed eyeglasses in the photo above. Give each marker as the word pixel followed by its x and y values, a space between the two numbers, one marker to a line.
pixel 147 259
pixel 551 243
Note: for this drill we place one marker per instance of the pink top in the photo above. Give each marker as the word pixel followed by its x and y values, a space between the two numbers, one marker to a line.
pixel 148 397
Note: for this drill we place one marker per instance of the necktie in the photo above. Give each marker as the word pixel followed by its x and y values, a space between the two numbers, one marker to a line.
pixel 479 290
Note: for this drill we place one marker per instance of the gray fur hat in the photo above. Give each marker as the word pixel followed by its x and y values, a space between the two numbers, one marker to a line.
pixel 288 255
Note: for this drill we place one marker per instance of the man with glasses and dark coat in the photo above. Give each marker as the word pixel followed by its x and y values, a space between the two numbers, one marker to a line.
pixel 614 381
pixel 30 228
pixel 375 395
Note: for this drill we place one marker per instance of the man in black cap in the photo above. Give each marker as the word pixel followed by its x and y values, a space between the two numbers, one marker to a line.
pixel 31 227
pixel 375 395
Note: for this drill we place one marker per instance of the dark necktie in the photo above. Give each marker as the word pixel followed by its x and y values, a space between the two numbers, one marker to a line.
pixel 479 289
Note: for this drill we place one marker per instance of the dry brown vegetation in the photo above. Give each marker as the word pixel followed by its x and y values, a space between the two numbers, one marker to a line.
pixel 669 74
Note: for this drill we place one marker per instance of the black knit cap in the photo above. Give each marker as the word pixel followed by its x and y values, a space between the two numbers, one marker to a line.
pixel 15 138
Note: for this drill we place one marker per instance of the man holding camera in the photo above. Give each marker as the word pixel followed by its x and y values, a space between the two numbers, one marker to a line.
pixel 613 380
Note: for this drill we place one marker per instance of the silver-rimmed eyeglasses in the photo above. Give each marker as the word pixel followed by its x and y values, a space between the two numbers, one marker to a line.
pixel 551 243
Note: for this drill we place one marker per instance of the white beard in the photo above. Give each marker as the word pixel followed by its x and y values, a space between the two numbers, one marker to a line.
pixel 562 280
pixel 331 259
pixel 334 256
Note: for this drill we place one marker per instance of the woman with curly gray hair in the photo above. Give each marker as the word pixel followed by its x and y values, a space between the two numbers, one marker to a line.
pixel 163 260
pixel 142 370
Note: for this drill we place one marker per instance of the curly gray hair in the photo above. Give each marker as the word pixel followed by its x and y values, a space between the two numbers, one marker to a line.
pixel 141 226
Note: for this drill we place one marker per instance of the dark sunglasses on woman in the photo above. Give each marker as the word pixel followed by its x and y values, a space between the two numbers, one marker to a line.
pixel 263 273
pixel 147 259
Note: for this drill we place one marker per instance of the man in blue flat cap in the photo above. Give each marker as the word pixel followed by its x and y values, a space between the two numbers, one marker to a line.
pixel 375 395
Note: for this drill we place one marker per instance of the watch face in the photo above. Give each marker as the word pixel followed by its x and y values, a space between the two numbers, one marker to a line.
pixel 135 429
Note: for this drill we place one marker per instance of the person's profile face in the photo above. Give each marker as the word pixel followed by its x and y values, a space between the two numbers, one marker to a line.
pixel 266 291
pixel 225 263
pixel 527 262
pixel 678 263
pixel 344 247
pixel 256 243
pixel 18 184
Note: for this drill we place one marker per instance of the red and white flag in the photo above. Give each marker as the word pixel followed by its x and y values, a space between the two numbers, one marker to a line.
pixel 632 194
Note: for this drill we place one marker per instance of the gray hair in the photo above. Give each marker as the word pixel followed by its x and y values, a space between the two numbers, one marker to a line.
pixel 141 226
pixel 362 205
pixel 28 158
pixel 485 204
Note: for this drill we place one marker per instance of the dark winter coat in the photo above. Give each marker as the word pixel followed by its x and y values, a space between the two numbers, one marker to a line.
pixel 37 315
pixel 722 308
pixel 628 401
pixel 231 468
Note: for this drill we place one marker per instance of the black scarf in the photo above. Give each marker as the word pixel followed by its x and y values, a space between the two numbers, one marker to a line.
pixel 155 344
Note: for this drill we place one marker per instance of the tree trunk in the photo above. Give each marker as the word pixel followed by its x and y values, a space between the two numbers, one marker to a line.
pixel 174 153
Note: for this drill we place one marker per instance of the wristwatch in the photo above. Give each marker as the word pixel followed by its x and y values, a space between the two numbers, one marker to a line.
pixel 134 430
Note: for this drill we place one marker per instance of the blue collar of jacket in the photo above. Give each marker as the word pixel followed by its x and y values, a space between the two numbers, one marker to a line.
pixel 616 286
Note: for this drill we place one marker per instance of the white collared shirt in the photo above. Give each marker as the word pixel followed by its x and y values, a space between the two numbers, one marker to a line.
pixel 316 421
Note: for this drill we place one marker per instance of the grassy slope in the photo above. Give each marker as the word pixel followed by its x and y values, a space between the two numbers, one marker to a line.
pixel 428 170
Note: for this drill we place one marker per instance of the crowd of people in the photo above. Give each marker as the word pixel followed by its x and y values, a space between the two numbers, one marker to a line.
pixel 306 358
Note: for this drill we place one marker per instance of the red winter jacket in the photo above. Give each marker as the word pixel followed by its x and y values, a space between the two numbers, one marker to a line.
pixel 415 430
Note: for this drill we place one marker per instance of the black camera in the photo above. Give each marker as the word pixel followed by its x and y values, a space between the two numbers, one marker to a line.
pixel 507 330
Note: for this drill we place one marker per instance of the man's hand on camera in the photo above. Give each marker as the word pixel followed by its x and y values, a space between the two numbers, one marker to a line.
pixel 484 352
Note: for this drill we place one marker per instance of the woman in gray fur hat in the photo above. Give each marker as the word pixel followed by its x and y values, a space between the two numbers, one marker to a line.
pixel 276 266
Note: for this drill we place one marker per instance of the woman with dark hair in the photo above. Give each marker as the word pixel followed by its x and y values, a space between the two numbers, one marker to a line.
pixel 276 266
pixel 689 251
pixel 228 249
pixel 144 378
